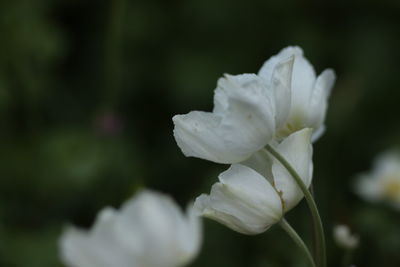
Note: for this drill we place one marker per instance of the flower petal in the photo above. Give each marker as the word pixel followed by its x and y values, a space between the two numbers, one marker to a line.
pixel 98 247
pixel 243 200
pixel 297 150
pixel 281 86
pixel 369 188
pixel 269 66
pixel 319 101
pixel 303 74
pixel 261 162
pixel 151 223
pixel 149 230
pixel 242 123
pixel 191 236
pixel 317 133
pixel 303 78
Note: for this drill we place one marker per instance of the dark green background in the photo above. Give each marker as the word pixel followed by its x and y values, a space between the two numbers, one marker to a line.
pixel 88 90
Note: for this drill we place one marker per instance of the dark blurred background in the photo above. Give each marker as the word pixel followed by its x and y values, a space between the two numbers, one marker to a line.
pixel 88 90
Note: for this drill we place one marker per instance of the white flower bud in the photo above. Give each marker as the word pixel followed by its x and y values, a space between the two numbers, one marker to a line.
pixel 252 196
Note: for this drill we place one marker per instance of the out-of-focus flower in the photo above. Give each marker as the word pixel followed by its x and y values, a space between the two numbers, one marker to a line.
pixel 343 237
pixel 148 231
pixel 383 182
pixel 309 93
pixel 247 111
pixel 252 196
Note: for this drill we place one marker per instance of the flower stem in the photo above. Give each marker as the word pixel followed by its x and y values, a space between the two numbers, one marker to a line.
pixel 318 228
pixel 314 233
pixel 297 239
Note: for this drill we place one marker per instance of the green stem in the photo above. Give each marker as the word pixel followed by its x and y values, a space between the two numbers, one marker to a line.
pixel 297 239
pixel 319 230
pixel 314 232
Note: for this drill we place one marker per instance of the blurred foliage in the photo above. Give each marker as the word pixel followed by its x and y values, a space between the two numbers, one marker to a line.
pixel 88 89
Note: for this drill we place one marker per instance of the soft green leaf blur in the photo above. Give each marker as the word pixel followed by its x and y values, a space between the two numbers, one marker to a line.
pixel 88 90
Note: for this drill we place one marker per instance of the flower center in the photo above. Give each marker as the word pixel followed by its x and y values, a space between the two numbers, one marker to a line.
pixel 392 188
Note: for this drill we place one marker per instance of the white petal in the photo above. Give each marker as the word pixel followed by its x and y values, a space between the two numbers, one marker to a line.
pixel 191 236
pixel 303 78
pixel 387 162
pixel 243 200
pixel 318 133
pixel 149 230
pixel 319 100
pixel 241 124
pixel 297 150
pixel 204 207
pixel 261 162
pixel 268 67
pixel 152 224
pixel 303 74
pixel 325 82
pixel 369 188
pixel 98 247
pixel 77 249
pixel 281 85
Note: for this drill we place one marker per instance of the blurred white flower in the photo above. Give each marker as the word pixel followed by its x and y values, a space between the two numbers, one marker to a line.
pixel 148 231
pixel 383 182
pixel 252 196
pixel 343 237
pixel 247 111
pixel 309 93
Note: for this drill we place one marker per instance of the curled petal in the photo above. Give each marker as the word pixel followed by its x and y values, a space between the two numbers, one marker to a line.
pixel 319 101
pixel 243 200
pixel 277 71
pixel 297 150
pixel 268 67
pixel 281 88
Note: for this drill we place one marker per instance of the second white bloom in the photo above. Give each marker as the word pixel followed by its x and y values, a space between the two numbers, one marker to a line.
pixel 252 196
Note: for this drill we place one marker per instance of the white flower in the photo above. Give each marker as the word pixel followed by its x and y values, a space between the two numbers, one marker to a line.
pixel 252 196
pixel 343 237
pixel 383 182
pixel 247 110
pixel 309 92
pixel 148 231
